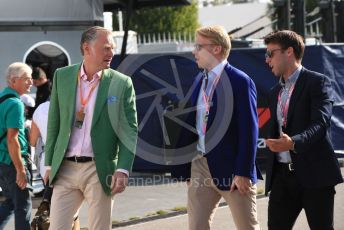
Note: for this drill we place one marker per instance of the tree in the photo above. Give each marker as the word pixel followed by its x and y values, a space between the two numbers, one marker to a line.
pixel 160 20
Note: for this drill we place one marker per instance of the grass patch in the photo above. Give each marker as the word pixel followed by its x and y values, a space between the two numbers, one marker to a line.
pixel 179 208
pixel 161 212
pixel 135 218
pixel 151 214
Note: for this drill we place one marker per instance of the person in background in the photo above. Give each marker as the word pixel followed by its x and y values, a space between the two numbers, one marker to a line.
pixel 302 169
pixel 14 173
pixel 43 85
pixel 39 130
pixel 29 104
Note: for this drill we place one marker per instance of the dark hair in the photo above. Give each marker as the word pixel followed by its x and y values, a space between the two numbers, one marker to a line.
pixel 286 39
pixel 38 73
pixel 90 35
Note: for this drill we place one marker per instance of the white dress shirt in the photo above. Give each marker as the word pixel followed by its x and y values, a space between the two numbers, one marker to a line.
pixel 201 104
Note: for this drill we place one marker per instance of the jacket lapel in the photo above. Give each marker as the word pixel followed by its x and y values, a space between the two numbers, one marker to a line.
pixel 296 93
pixel 101 96
pixel 273 101
pixel 194 96
pixel 71 86
pixel 212 111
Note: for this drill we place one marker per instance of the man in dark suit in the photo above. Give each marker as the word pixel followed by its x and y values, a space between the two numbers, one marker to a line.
pixel 302 169
pixel 224 165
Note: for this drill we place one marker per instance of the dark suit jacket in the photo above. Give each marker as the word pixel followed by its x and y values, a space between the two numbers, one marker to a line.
pixel 235 152
pixel 308 123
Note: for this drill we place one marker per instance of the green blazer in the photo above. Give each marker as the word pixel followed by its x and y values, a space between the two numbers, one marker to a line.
pixel 114 123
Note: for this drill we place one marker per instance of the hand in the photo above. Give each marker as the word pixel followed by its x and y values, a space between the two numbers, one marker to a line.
pixel 46 177
pixel 21 179
pixel 284 143
pixel 119 182
pixel 241 183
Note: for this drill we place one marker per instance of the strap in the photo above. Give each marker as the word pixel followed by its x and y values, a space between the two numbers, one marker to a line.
pixel 2 99
pixel 5 97
pixel 3 135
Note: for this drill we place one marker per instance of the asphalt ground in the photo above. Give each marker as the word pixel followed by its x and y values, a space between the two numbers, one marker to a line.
pixel 157 202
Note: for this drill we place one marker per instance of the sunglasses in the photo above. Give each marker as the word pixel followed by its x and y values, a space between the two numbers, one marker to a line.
pixel 198 47
pixel 270 53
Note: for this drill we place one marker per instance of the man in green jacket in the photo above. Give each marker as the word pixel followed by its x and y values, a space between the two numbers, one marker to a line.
pixel 92 133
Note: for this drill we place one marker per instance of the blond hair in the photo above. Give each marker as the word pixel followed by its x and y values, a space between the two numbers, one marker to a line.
pixel 17 70
pixel 218 36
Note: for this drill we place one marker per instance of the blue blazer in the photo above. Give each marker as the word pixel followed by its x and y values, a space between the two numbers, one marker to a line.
pixel 235 151
pixel 308 123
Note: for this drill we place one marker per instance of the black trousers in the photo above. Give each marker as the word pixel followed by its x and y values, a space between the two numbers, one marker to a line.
pixel 287 199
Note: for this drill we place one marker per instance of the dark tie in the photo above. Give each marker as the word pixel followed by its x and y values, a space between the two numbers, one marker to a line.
pixel 206 79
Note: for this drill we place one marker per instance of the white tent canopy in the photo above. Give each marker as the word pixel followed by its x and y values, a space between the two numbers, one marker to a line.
pixel 50 10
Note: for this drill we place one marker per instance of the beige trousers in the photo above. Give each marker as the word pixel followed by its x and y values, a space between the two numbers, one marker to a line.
pixel 75 183
pixel 204 197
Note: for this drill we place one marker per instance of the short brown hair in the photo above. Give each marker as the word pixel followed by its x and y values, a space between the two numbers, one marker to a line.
pixel 38 73
pixel 286 39
pixel 218 36
pixel 90 35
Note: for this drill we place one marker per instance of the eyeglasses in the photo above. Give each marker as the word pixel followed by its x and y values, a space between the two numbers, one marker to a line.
pixel 270 53
pixel 198 47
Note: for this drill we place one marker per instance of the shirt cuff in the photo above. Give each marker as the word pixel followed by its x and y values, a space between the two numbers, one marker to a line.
pixel 126 172
pixel 294 150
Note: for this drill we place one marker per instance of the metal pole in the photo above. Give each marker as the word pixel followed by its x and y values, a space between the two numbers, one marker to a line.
pixel 126 29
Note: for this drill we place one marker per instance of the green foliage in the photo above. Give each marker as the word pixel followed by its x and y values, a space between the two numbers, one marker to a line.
pixel 164 19
pixel 179 208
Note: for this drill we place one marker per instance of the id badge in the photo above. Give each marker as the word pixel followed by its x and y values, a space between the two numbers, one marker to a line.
pixel 205 117
pixel 79 119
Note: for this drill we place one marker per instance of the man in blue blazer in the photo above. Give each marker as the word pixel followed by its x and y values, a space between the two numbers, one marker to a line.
pixel 302 169
pixel 225 136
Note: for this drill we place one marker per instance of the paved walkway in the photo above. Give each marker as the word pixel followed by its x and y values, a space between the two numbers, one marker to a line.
pixel 223 221
pixel 147 195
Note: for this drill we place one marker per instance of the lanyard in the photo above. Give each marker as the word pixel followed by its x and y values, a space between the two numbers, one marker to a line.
pixel 206 99
pixel 84 101
pixel 284 108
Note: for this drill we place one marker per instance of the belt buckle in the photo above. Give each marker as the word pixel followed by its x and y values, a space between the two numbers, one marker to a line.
pixel 290 167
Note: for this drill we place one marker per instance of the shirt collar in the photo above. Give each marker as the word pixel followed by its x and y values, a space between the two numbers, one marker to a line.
pixel 216 71
pixel 291 79
pixel 9 90
pixel 83 75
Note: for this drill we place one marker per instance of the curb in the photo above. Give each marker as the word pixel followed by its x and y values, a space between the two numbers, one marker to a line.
pixel 158 217
pixel 147 219
pixel 177 213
